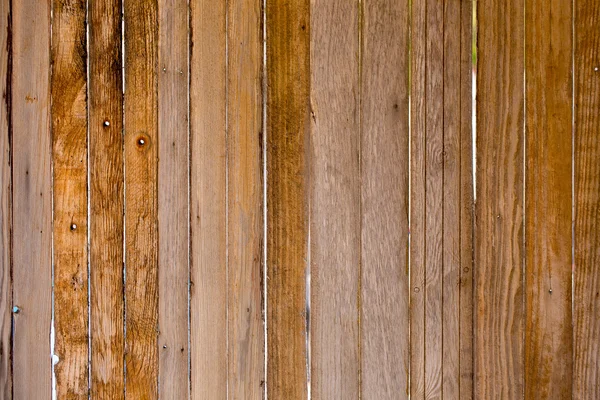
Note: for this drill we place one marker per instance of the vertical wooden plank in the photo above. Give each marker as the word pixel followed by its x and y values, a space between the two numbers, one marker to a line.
pixel 173 196
pixel 32 199
pixel 141 214
pixel 499 210
pixel 434 198
pixel 208 287
pixel 548 330
pixel 69 134
pixel 586 372
pixel 244 200
pixel 5 203
pixel 384 314
pixel 466 206
pixel 288 80
pixel 417 195
pixel 335 199
pixel 106 199
pixel 458 202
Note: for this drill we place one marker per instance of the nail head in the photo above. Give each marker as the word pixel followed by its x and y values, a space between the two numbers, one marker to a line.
pixel 106 123
pixel 73 227
pixel 16 309
pixel 141 142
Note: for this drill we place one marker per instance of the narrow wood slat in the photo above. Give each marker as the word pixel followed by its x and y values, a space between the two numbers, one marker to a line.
pixel 417 196
pixel 499 320
pixel 458 203
pixel 32 199
pixel 548 329
pixel 434 198
pixel 208 287
pixel 586 372
pixel 335 199
pixel 106 199
pixel 466 207
pixel 173 196
pixel 141 210
pixel 5 203
pixel 69 133
pixel 287 202
pixel 244 200
pixel 384 314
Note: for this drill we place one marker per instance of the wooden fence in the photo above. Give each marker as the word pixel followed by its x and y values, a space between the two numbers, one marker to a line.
pixel 247 199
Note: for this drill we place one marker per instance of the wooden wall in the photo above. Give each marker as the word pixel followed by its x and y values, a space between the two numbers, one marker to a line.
pixel 299 199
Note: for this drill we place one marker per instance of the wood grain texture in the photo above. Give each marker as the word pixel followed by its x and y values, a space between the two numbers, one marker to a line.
pixel 141 210
pixel 467 204
pixel 106 200
pixel 244 200
pixel 5 203
pixel 586 369
pixel 434 199
pixel 335 199
pixel 69 134
pixel 208 287
pixel 32 199
pixel 384 314
pixel 173 197
pixel 288 124
pixel 499 301
pixel 548 184
pixel 417 194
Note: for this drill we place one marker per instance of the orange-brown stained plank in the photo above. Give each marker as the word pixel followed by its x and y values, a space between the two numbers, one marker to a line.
pixel 586 372
pixel 141 210
pixel 548 184
pixel 5 205
pixel 499 320
pixel 548 338
pixel 106 200
pixel 335 198
pixel 244 200
pixel 32 199
pixel 173 216
pixel 208 287
pixel 69 133
pixel 287 203
pixel 384 317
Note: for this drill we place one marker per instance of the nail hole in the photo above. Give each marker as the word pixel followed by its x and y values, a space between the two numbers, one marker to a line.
pixel 417 290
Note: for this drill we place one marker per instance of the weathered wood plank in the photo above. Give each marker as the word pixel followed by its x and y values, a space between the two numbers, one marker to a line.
pixel 32 199
pixel 466 207
pixel 434 198
pixel 287 202
pixel 208 290
pixel 106 199
pixel 499 321
pixel 456 161
pixel 548 183
pixel 69 134
pixel 417 195
pixel 173 196
pixel 141 210
pixel 335 199
pixel 5 203
pixel 244 200
pixel 586 372
pixel 384 314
